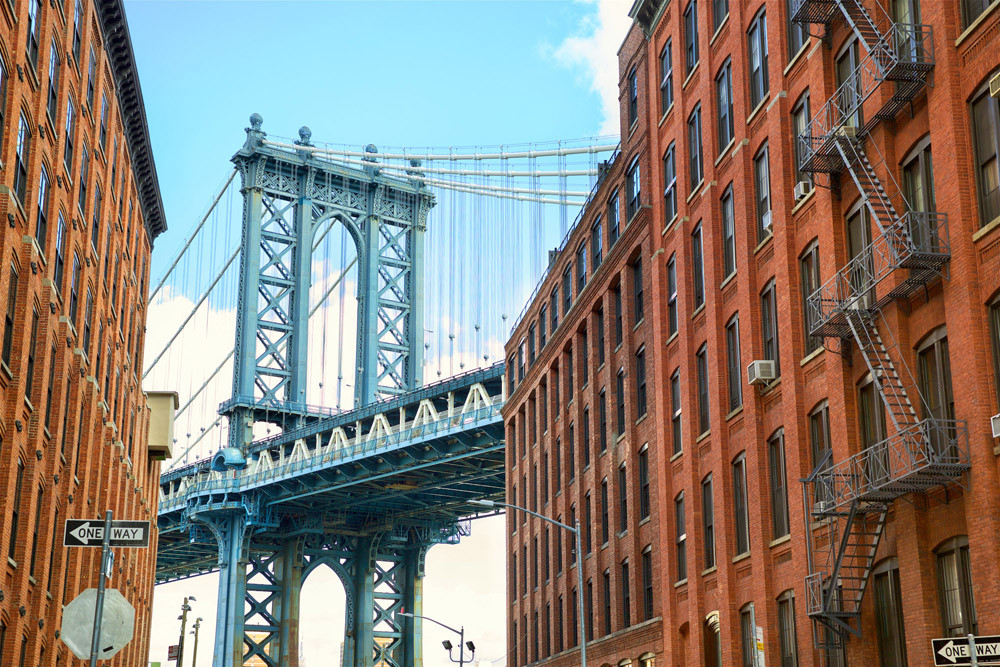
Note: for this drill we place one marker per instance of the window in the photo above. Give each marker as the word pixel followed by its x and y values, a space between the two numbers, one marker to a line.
pixel 88 315
pixel 858 239
pixel 21 159
pixel 586 437
pixel 602 403
pixel 607 602
pixel 720 10
pixel 757 41
pixel 640 383
pixel 986 141
pixel 748 637
pixel 779 484
pixel 798 33
pixel 935 388
pixel 708 520
pixel 34 32
pixel 786 629
pixel 647 583
pixel 971 10
pixel 622 499
pixel 713 641
pixel 633 97
pixel 3 104
pixel 669 184
pixel 41 216
pixel 694 147
pixel 666 77
pixel 724 100
pixel 104 122
pixel 542 315
pixel 53 80
pixel 918 186
pixel 849 87
pixel 84 174
pixel 697 267
pixel 545 479
pixel 605 513
pixel 33 560
pixel 644 482
pixel 675 411
pixel 690 36
pixel 70 130
pixel 762 183
pixel 95 228
pixel 769 325
pixel 534 563
pixel 958 606
pixel 49 389
pixel 800 125
pixel 871 413
pixel 733 365
pixel 701 361
pixel 599 323
pixel 554 308
pixel 620 405
pixel 819 433
pixel 672 294
pixel 584 360
pixel 91 67
pixel 16 509
pixel 567 287
pixel 74 287
pixel 616 294
pixel 637 291
pixel 531 344
pixel 680 537
pixel 520 361
pixel 29 374
pixel 889 615
pixel 633 189
pixel 596 244
pixel 545 553
pixel 728 233
pixel 77 15
pixel 626 599
pixel 741 518
pixel 994 316
pixel 614 218
pixel 588 532
pixel 809 267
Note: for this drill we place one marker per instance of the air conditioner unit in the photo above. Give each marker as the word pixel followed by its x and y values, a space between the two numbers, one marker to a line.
pixel 995 422
pixel 847 131
pixel 766 221
pixel 760 371
pixel 801 189
pixel 995 86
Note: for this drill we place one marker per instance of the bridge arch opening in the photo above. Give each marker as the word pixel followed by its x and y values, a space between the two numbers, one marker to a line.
pixel 322 611
pixel 333 328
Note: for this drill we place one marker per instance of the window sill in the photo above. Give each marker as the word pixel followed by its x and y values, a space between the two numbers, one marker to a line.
pixel 795 59
pixel 641 419
pixel 766 240
pixel 677 456
pixel 632 126
pixel 800 203
pixel 638 324
pixel 709 570
pixel 812 355
pixel 670 225
pixel 742 556
pixel 672 338
pixel 32 580
pixel 645 520
pixel 978 21
pixel 733 413
pixel 695 190
pixel 619 438
pixel 6 370
pixel 725 151
pixel 728 280
pixel 703 436
pixel 780 540
pixel 718 31
pixel 682 582
pixel 757 109
pixel 690 74
pixel 986 229
pixel 781 94
pixel 708 185
pixel 666 113
pixel 697 311
pixel 12 562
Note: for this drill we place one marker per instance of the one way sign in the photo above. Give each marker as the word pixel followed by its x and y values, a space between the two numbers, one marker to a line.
pixel 90 533
pixel 956 651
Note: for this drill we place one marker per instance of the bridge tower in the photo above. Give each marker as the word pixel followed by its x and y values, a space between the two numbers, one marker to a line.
pixel 290 199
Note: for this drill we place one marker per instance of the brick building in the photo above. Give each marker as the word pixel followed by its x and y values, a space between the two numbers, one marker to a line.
pixel 765 215
pixel 81 206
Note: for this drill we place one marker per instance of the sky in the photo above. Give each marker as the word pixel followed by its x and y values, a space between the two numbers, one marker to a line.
pixel 391 73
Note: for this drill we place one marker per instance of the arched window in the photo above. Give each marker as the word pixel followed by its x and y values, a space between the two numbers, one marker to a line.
pixel 994 317
pixel 958 605
pixel 713 641
pixel 889 614
pixel 21 159
pixel 786 629
pixel 938 400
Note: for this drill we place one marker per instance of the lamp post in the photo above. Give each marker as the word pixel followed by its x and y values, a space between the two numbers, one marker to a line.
pixel 579 564
pixel 194 631
pixel 446 643
pixel 185 608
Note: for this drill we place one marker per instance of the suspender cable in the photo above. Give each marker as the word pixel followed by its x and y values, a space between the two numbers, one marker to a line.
pixel 450 156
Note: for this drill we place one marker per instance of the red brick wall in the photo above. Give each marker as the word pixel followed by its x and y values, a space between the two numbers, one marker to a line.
pixel 91 422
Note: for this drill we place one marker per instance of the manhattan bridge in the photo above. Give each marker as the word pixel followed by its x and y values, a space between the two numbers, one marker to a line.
pixel 358 300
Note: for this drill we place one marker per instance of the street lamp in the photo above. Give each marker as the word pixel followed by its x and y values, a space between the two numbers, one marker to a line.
pixel 185 608
pixel 448 646
pixel 194 654
pixel 579 563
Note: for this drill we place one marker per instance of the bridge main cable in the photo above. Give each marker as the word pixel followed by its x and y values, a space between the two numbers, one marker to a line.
pixel 452 157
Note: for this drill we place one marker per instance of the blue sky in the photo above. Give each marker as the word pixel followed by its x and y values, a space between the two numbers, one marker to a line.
pixel 413 73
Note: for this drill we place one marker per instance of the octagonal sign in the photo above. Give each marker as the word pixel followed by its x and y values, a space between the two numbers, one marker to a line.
pixel 117 624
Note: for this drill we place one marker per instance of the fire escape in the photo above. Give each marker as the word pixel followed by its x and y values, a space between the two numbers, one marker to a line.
pixel 849 500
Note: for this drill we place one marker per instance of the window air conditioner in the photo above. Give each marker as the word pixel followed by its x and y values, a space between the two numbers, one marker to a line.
pixel 995 86
pixel 766 222
pixel 847 131
pixel 801 189
pixel 995 422
pixel 760 371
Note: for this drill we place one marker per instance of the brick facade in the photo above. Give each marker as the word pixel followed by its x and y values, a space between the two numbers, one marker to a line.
pixel 956 306
pixel 74 418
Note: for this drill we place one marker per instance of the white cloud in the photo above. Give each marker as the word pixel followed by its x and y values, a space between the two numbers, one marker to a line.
pixel 593 52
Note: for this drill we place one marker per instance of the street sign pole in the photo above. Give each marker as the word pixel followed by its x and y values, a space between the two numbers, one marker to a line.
pixel 972 650
pixel 102 578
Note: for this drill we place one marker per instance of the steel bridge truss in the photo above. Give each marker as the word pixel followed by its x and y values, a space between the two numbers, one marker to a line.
pixel 849 501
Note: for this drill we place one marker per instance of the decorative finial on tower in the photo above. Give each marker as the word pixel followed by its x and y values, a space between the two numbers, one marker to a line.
pixel 371 150
pixel 254 134
pixel 256 120
pixel 305 134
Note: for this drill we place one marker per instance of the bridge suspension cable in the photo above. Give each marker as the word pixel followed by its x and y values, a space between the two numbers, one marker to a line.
pixel 451 157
